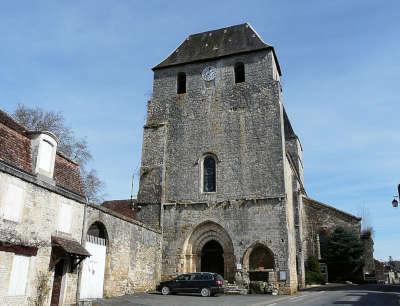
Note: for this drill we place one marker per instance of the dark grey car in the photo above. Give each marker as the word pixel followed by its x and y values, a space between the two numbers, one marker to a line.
pixel 205 283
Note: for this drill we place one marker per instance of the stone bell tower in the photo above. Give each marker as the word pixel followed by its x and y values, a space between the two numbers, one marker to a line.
pixel 215 174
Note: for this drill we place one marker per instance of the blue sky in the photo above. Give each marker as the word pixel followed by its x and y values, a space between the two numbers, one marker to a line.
pixel 341 74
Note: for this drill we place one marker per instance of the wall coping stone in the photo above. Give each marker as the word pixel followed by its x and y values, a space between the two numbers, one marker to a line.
pixel 313 202
pixel 122 217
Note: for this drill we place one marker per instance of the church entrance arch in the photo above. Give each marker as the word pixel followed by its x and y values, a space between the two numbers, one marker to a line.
pixel 209 249
pixel 259 262
pixel 212 258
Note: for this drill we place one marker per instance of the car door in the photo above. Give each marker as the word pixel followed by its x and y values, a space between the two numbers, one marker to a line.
pixel 182 283
pixel 193 283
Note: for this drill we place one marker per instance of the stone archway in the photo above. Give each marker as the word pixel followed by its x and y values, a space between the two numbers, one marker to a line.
pixel 93 269
pixel 259 262
pixel 206 238
pixel 212 258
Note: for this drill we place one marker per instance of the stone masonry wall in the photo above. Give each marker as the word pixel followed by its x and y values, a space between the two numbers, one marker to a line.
pixel 318 218
pixel 133 260
pixel 246 222
pixel 38 222
pixel 239 123
pixel 242 125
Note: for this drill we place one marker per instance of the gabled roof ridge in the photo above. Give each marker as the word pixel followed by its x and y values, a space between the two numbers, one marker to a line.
pixel 220 29
pixel 213 44
pixel 315 202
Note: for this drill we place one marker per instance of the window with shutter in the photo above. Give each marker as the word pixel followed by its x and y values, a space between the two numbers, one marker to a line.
pixel 19 275
pixel 65 218
pixel 13 203
pixel 46 156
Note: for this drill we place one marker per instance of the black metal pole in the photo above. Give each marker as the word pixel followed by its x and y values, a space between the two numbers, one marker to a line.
pixel 398 190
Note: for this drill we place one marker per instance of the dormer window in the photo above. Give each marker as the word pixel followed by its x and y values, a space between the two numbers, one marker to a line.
pixel 239 72
pixel 44 148
pixel 181 83
pixel 45 156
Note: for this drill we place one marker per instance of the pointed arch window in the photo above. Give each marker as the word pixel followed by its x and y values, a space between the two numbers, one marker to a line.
pixel 239 72
pixel 209 174
pixel 181 83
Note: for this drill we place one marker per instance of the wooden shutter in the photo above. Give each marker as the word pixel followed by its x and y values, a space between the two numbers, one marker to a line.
pixel 45 156
pixel 13 203
pixel 19 275
pixel 65 218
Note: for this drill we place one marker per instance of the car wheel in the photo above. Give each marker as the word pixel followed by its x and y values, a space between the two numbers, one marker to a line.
pixel 165 290
pixel 205 292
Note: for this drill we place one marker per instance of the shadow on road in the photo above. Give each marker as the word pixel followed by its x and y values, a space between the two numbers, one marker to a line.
pixel 367 287
pixel 366 294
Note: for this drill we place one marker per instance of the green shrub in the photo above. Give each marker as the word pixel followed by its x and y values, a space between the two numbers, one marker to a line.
pixel 313 277
pixel 313 272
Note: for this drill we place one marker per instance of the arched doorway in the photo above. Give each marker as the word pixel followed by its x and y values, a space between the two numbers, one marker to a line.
pixel 209 246
pixel 259 262
pixel 92 276
pixel 212 258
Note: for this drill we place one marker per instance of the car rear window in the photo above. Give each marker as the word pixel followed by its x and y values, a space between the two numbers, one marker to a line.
pixel 219 277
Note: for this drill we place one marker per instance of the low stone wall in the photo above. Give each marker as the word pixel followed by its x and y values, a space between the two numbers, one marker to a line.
pixel 133 260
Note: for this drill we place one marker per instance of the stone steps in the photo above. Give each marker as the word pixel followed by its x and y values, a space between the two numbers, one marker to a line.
pixel 233 289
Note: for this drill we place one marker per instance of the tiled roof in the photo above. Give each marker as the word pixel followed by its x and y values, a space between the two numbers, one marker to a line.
pixel 123 207
pixel 235 39
pixel 69 246
pixel 15 151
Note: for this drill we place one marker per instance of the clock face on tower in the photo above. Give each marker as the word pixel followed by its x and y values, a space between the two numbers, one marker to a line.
pixel 209 73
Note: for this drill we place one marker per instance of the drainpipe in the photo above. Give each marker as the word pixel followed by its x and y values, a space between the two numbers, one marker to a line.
pixel 83 239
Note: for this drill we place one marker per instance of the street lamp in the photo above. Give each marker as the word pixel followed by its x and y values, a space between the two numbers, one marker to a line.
pixel 395 203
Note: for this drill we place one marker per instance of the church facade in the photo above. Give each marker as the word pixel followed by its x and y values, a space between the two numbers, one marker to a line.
pixel 222 168
pixel 221 189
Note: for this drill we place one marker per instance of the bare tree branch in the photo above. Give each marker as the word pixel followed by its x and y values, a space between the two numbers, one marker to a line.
pixel 37 119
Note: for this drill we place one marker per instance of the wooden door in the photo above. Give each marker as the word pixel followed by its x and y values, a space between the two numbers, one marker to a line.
pixel 57 282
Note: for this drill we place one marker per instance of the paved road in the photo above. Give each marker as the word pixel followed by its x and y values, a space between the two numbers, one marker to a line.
pixel 368 295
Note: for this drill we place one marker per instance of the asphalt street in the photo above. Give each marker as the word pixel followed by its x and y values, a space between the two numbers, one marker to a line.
pixel 367 295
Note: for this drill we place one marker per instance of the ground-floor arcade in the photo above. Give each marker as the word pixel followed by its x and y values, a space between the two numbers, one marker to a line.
pixel 223 240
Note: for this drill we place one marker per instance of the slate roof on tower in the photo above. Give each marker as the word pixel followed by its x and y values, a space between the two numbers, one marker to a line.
pixel 223 42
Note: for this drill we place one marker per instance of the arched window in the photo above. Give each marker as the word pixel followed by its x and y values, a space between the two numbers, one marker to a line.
pixel 239 72
pixel 209 174
pixel 181 83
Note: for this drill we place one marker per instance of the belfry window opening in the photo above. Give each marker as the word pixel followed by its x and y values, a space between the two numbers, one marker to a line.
pixel 181 83
pixel 239 72
pixel 209 174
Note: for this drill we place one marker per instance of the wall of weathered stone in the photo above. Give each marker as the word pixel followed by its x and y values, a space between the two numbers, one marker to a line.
pixel 239 123
pixel 38 222
pixel 290 218
pixel 319 217
pixel 242 125
pixel 246 222
pixel 368 256
pixel 133 261
pixel 133 258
